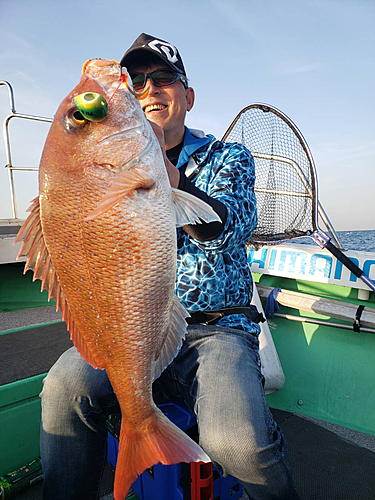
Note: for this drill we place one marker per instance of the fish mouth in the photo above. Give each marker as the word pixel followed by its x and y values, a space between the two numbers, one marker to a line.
pixel 100 63
pixel 107 73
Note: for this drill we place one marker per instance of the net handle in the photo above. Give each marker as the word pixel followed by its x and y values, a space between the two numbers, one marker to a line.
pixel 350 265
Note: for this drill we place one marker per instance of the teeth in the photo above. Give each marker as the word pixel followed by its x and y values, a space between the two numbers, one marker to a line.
pixel 154 107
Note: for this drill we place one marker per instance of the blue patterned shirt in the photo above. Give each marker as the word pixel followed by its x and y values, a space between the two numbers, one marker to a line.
pixel 216 274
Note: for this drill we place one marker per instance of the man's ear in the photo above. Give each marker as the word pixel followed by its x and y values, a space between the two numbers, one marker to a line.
pixel 190 98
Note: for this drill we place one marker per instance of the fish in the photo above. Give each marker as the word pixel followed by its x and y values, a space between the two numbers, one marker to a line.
pixel 101 237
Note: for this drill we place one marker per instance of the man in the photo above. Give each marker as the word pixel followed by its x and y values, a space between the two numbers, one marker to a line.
pixel 217 371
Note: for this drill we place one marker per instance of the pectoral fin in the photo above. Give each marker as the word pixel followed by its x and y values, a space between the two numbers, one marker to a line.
pixel 124 184
pixel 191 210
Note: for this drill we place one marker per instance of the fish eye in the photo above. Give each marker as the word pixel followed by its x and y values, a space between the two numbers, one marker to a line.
pixel 77 117
pixel 74 120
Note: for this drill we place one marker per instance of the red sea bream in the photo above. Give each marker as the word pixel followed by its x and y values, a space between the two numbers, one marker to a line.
pixel 102 238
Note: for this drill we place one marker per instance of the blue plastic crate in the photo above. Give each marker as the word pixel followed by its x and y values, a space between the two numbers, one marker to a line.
pixel 226 488
pixel 161 482
pixel 179 414
pixel 112 450
pixel 167 482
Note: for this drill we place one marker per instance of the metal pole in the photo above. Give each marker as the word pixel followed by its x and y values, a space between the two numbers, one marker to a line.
pixel 329 226
pixel 314 321
pixel 11 95
pixel 9 165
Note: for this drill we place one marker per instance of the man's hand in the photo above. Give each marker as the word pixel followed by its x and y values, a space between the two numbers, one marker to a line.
pixel 173 172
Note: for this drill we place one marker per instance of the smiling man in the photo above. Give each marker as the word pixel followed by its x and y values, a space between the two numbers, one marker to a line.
pixel 166 104
pixel 217 371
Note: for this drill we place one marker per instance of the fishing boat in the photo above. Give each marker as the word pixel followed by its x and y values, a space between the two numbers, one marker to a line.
pixel 317 351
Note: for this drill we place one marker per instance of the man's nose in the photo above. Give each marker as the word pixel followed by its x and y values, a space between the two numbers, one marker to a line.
pixel 153 88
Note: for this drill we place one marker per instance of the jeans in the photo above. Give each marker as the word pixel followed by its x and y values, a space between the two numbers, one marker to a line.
pixel 217 374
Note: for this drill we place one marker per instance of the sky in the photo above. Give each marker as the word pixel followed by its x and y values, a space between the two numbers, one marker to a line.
pixel 312 59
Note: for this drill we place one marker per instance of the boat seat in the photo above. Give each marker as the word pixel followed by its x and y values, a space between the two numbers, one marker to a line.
pixel 270 362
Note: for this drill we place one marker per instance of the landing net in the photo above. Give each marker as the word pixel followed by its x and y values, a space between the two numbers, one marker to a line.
pixel 285 176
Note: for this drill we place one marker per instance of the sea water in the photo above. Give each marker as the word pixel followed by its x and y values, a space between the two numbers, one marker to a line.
pixel 358 240
pixel 350 240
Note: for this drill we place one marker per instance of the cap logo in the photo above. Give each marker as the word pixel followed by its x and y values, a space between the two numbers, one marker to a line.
pixel 169 50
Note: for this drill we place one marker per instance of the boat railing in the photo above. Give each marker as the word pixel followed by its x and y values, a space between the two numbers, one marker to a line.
pixel 9 165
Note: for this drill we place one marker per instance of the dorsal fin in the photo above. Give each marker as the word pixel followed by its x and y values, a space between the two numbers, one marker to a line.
pixel 39 261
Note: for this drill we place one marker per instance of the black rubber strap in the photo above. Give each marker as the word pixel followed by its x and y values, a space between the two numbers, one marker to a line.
pixel 344 259
pixel 350 265
pixel 211 317
pixel 357 321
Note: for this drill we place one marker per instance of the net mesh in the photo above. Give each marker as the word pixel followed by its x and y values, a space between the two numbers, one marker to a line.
pixel 285 177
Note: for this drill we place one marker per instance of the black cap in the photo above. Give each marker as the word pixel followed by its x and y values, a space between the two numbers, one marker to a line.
pixel 165 51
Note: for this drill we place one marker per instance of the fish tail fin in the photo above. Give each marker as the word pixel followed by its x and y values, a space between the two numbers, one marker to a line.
pixel 138 451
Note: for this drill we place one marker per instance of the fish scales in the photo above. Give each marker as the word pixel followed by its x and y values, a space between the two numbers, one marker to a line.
pixel 101 236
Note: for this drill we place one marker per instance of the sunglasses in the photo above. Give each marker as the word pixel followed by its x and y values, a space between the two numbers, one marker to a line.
pixel 159 78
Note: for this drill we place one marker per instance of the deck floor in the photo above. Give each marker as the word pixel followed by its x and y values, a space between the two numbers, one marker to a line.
pixel 326 464
pixel 326 467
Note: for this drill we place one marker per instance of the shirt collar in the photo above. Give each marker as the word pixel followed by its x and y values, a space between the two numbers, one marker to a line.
pixel 191 144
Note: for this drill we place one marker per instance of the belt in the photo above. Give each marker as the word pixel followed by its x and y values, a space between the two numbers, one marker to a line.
pixel 211 317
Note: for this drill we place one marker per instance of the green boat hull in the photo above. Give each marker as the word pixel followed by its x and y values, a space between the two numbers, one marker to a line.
pixel 329 372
